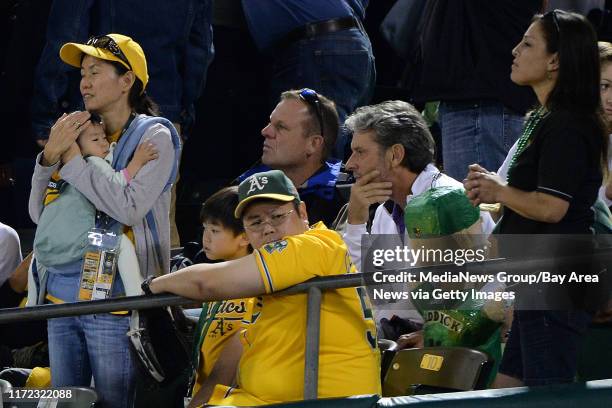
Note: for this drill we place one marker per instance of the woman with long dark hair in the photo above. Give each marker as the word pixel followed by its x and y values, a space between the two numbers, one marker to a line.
pixel 553 179
pixel 113 82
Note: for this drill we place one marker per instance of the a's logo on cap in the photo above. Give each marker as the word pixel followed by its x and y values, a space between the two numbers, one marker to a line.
pixel 257 183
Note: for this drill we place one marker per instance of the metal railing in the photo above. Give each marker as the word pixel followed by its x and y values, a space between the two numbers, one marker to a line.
pixel 313 288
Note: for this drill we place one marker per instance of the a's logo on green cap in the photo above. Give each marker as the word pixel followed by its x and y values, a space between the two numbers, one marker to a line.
pixel 257 183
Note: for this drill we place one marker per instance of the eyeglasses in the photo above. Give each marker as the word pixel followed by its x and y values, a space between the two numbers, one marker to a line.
pixel 275 220
pixel 311 98
pixel 107 43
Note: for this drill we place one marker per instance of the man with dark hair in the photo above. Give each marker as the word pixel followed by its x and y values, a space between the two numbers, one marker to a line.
pixel 392 162
pixel 298 140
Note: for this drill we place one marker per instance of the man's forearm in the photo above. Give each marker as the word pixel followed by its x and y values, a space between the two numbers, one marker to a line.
pixel 187 282
pixel 226 280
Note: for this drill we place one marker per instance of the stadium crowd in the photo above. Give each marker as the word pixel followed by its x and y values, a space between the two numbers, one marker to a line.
pixel 499 123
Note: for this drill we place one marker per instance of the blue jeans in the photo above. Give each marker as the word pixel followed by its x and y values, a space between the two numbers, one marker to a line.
pixel 337 65
pixel 543 346
pixel 476 132
pixel 93 344
pixel 90 344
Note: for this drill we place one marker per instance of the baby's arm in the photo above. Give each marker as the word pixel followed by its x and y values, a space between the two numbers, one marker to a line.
pixel 145 152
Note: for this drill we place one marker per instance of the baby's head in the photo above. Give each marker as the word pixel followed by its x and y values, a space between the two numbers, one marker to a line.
pixel 92 141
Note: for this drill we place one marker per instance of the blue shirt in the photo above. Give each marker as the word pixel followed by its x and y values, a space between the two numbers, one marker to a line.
pixel 270 20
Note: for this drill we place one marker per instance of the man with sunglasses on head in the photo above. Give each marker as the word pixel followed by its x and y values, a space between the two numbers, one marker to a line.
pixel 287 252
pixel 298 140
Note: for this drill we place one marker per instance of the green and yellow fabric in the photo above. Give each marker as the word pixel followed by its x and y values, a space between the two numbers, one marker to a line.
pixel 447 212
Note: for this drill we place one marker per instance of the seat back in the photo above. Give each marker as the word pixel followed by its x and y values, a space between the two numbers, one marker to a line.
pixel 454 368
pixel 81 397
pixel 4 386
pixel 86 397
pixel 387 351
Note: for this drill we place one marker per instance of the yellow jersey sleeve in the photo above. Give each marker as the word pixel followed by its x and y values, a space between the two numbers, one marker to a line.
pixel 297 258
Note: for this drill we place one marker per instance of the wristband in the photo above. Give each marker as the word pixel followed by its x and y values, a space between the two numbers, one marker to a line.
pixel 145 285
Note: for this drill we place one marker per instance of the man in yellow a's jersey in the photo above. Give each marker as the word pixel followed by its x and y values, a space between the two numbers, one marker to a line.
pixel 288 252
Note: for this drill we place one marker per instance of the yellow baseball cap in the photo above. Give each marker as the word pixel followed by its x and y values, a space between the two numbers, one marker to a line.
pixel 110 47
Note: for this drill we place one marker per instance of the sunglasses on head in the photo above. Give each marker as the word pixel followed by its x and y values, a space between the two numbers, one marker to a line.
pixel 107 43
pixel 312 99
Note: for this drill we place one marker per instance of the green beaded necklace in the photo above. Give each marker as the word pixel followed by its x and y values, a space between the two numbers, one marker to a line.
pixel 525 138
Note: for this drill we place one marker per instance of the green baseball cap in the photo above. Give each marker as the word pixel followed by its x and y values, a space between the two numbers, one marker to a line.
pixel 272 185
pixel 439 211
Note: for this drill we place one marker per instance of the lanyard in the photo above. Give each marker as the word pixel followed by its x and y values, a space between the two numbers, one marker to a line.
pixel 127 125
pixel 103 220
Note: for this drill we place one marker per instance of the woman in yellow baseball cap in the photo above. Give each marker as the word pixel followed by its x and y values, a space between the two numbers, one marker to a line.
pixel 113 82
pixel 125 56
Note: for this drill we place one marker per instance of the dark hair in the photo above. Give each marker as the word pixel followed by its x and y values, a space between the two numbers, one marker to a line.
pixel 577 88
pixel 139 101
pixel 329 117
pixel 95 118
pixel 397 122
pixel 220 207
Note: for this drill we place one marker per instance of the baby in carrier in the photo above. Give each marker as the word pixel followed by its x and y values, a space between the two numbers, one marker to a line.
pixel 68 217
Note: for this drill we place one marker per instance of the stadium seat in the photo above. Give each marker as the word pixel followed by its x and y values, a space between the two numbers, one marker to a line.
pixel 440 369
pixel 387 351
pixel 4 386
pixel 82 397
pixel 85 398
pixel 17 377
